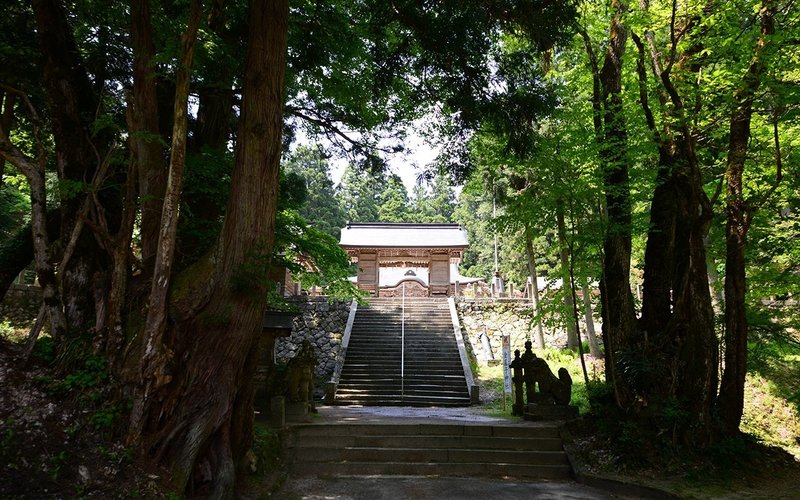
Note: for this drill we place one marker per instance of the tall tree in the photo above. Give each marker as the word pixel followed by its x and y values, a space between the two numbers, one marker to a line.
pixel 322 209
pixel 358 195
pixel 186 420
pixel 393 203
pixel 739 217
pixel 73 105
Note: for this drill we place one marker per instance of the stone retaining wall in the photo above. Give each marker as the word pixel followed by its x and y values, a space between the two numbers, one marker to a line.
pixel 322 323
pixel 496 318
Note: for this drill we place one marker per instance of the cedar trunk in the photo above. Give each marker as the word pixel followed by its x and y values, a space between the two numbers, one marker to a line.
pixel 204 415
pixel 619 324
pixel 731 394
pixel 72 105
pixel 145 142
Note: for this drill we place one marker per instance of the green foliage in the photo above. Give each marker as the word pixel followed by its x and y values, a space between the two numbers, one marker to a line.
pixel 267 447
pixel 6 330
pixel 772 395
pixel 104 418
pixel 14 208
pixel 313 256
pixel 359 194
pixel 92 374
pixel 56 463
pixel 322 209
pixel 68 188
pixel 44 350
pixel 394 204
pixel 205 196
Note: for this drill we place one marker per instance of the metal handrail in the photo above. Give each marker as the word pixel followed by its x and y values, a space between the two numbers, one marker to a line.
pixel 403 345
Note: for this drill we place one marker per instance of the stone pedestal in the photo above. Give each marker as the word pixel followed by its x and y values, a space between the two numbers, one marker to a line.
pixel 535 411
pixel 297 411
pixel 277 412
pixel 475 395
pixel 330 392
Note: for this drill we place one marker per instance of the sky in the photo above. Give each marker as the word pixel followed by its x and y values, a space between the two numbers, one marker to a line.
pixel 407 164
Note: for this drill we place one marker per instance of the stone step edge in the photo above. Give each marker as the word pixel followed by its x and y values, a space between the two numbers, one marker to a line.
pixel 428 469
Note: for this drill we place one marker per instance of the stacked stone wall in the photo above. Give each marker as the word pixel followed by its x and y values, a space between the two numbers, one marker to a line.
pixel 322 323
pixel 498 318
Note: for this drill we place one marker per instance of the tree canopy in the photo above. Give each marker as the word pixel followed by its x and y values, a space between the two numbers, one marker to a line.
pixel 643 146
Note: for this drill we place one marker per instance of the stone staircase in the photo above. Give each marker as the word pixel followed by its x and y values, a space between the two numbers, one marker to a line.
pixel 443 449
pixel 373 372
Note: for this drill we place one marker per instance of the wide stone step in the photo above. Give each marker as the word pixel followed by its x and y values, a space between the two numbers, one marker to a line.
pixel 425 454
pixel 551 472
pixel 402 400
pixel 529 451
pixel 385 377
pixel 528 430
pixel 415 394
pixel 436 442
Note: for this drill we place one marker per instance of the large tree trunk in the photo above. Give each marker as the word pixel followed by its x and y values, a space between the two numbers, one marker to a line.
pixel 204 415
pixel 619 320
pixel 145 141
pixel 731 394
pixel 155 354
pixel 72 104
pixel 677 315
pixel 34 173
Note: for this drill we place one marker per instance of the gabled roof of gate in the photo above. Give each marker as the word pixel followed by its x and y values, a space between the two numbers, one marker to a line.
pixel 402 235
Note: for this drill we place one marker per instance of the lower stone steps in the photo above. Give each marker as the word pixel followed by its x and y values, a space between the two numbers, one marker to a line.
pixel 427 449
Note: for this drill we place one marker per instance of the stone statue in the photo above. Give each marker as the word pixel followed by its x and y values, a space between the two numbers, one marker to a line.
pixel 300 376
pixel 552 398
pixel 552 389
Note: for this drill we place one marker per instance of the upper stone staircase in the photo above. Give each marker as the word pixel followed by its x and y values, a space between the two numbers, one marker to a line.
pixel 403 353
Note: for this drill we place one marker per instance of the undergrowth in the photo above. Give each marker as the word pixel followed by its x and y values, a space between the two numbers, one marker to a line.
pixel 490 379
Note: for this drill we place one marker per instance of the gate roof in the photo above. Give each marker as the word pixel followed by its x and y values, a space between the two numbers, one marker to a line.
pixel 402 235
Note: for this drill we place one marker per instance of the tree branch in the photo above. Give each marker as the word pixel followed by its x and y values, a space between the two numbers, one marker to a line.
pixel 643 98
pixel 331 128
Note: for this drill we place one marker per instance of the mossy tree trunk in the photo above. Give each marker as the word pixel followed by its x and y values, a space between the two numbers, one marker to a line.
pixel 203 412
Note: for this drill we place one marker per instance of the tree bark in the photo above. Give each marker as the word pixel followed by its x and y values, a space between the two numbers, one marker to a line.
pixel 204 415
pixel 155 354
pixel 731 393
pixel 534 286
pixel 34 173
pixel 566 283
pixel 619 320
pixel 677 315
pixel 594 347
pixel 145 140
pixel 72 105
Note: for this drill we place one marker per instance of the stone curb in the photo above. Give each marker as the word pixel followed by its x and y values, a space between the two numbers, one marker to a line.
pixel 613 486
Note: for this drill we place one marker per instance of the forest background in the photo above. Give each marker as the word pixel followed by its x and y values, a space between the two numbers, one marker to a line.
pixel 652 146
